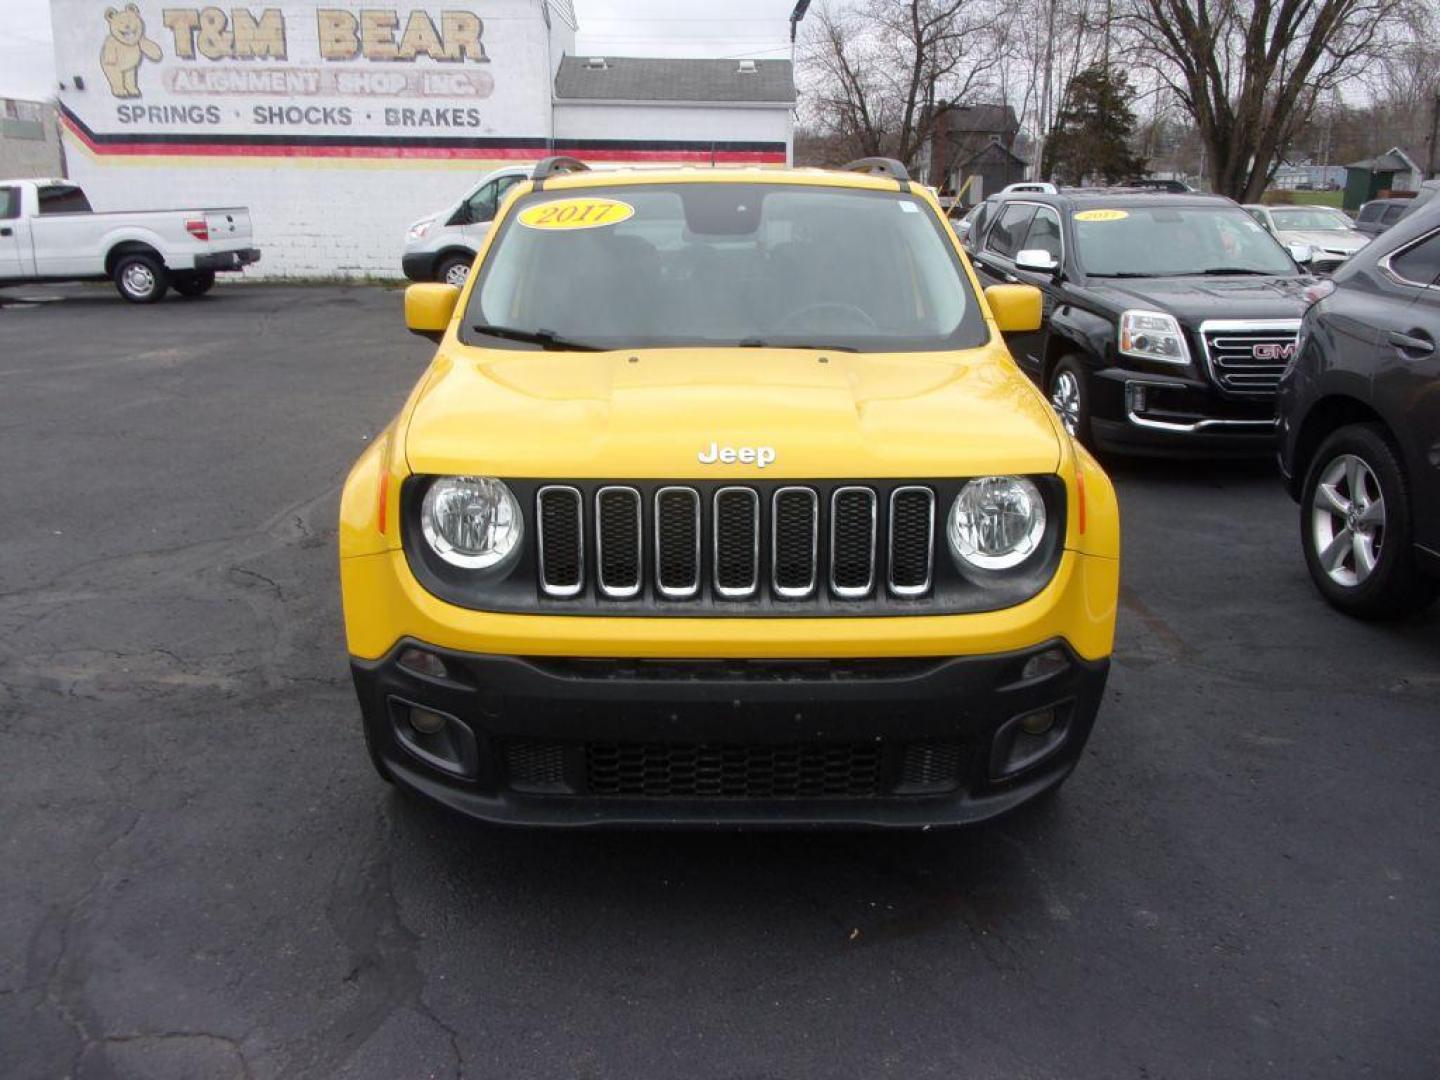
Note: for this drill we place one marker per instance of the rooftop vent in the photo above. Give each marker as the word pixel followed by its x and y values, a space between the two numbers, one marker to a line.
pixel 747 67
pixel 596 63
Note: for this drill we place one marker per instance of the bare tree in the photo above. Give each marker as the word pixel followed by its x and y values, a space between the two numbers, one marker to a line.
pixel 1407 96
pixel 1250 71
pixel 1050 43
pixel 879 71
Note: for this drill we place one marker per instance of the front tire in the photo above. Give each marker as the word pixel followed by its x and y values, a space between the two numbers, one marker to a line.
pixel 193 283
pixel 1356 530
pixel 140 279
pixel 454 270
pixel 1069 395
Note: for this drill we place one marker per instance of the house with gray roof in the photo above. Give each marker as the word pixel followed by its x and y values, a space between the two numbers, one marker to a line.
pixel 971 152
pixel 703 111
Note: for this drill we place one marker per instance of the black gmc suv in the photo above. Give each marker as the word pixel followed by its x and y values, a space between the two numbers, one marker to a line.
pixel 1169 318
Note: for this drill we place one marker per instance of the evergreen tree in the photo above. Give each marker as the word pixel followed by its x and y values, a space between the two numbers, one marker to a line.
pixel 1092 133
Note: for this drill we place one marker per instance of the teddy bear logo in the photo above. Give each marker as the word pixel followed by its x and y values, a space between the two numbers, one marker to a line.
pixel 124 49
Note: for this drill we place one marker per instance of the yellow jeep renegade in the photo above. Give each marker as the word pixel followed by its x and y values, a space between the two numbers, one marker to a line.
pixel 721 503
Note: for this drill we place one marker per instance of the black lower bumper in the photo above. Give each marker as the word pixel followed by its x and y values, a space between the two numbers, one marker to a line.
pixel 1140 413
pixel 888 742
pixel 227 260
pixel 419 267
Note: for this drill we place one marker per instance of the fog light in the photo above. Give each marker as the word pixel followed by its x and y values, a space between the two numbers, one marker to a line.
pixel 1036 723
pixel 1041 664
pixel 426 722
pixel 1137 398
pixel 422 662
pixel 1027 740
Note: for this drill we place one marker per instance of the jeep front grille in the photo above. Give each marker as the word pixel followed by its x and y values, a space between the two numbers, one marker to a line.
pixel 618 530
pixel 735 770
pixel 782 543
pixel 1249 357
pixel 736 537
pixel 749 771
pixel 794 542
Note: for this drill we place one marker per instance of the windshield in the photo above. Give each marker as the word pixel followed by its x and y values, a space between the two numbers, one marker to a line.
pixel 758 265
pixel 1162 241
pixel 1311 219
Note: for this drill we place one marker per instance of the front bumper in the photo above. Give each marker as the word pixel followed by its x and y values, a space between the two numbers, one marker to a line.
pixel 1139 413
pixel 227 260
pixel 868 742
pixel 418 266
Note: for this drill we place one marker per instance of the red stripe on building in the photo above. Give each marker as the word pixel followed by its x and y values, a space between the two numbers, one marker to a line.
pixel 483 153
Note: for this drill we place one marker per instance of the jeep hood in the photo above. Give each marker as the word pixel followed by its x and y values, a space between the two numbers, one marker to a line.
pixel 1192 300
pixel 650 414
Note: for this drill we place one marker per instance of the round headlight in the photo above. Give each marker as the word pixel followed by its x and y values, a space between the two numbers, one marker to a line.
pixel 472 521
pixel 996 522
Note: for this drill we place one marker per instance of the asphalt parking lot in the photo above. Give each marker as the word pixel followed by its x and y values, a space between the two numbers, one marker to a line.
pixel 201 876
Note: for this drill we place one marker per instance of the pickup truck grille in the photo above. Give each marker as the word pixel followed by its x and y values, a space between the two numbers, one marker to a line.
pixel 1249 358
pixel 738 543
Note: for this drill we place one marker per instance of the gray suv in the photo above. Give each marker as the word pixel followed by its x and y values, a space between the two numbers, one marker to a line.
pixel 1360 425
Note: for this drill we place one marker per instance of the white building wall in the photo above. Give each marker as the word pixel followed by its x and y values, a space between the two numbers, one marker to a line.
pixel 29 139
pixel 335 150
pixel 339 122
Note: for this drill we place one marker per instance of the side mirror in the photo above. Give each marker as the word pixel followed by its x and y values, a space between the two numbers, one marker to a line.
pixel 1036 260
pixel 1302 253
pixel 1018 309
pixel 429 309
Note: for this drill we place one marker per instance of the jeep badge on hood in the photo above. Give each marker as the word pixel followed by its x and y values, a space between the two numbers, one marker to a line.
pixel 728 455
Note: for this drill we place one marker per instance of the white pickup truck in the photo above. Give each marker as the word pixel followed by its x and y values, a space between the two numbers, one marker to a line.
pixel 48 232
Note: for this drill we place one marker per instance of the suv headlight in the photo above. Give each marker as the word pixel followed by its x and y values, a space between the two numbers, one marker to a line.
pixel 1153 335
pixel 996 522
pixel 472 521
pixel 419 229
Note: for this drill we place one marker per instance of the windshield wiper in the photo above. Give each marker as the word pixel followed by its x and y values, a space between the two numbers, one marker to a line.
pixel 761 343
pixel 1126 274
pixel 1222 271
pixel 547 339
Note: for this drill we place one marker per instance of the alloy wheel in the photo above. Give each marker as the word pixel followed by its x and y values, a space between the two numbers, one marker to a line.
pixel 1065 399
pixel 457 274
pixel 1347 520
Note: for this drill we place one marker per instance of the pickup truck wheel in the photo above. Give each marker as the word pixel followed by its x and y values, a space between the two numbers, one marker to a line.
pixel 140 279
pixel 454 270
pixel 1355 527
pixel 1070 397
pixel 193 283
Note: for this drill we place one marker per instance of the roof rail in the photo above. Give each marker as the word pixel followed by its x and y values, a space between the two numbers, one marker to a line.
pixel 552 166
pixel 879 166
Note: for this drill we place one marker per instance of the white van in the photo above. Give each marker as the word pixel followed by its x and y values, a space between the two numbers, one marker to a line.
pixel 441 246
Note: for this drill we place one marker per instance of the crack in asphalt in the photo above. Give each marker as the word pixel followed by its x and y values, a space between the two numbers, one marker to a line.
pixel 57 992
pixel 287 527
pixel 384 951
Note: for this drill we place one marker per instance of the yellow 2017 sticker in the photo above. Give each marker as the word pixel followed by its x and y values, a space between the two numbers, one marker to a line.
pixel 1101 215
pixel 576 214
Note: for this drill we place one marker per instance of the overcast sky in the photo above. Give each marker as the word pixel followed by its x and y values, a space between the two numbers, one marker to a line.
pixel 755 28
